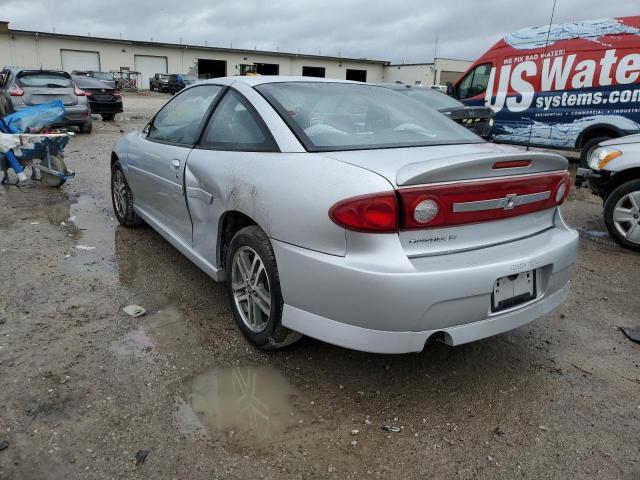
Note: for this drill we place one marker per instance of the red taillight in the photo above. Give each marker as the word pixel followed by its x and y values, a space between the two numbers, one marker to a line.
pixel 443 205
pixel 16 92
pixel 376 213
pixel 81 93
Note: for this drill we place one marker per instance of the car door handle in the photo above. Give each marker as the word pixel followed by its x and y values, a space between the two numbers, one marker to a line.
pixel 175 163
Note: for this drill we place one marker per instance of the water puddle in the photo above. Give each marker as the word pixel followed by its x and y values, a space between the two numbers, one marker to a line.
pixel 165 330
pixel 253 404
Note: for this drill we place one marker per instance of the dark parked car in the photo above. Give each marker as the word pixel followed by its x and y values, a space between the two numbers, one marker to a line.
pixel 477 119
pixel 105 77
pixel 102 98
pixel 164 82
pixel 184 80
pixel 23 87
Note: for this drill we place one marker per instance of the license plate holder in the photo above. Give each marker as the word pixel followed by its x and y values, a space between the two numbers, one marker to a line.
pixel 513 290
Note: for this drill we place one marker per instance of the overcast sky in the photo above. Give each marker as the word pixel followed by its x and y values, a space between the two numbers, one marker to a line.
pixel 400 30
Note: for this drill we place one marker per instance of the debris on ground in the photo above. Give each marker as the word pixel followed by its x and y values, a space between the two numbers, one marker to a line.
pixel 4 445
pixel 389 428
pixel 141 456
pixel 85 247
pixel 498 430
pixel 632 333
pixel 134 310
pixel 355 432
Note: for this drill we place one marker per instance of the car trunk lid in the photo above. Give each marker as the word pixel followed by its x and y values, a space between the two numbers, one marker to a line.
pixel 485 194
pixel 45 86
pixel 36 96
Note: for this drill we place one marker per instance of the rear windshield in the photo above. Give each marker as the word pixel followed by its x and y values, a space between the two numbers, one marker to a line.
pixel 44 79
pixel 102 76
pixel 343 116
pixel 432 98
pixel 88 82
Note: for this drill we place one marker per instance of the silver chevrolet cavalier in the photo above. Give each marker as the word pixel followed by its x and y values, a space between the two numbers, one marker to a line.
pixel 349 212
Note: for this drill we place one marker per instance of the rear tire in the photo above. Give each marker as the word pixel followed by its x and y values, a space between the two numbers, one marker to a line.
pixel 622 214
pixel 589 147
pixel 108 117
pixel 252 286
pixel 86 127
pixel 122 198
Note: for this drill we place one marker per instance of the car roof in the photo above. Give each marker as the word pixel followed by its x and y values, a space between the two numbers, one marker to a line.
pixel 262 79
pixel 35 70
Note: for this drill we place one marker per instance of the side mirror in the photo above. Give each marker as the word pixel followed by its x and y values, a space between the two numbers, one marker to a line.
pixel 450 90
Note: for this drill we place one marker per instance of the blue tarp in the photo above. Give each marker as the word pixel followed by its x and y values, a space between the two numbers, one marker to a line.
pixel 43 115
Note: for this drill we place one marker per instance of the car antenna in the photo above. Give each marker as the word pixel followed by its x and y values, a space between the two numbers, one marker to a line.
pixel 546 45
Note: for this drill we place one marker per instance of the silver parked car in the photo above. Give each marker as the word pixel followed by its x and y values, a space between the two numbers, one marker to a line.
pixel 21 88
pixel 349 212
pixel 614 175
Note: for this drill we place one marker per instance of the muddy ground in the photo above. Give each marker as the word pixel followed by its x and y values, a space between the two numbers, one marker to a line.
pixel 84 389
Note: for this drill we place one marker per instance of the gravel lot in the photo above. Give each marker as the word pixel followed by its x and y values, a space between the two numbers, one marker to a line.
pixel 85 389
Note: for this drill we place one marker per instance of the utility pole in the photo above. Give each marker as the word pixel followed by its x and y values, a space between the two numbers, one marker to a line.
pixel 435 69
pixel 435 50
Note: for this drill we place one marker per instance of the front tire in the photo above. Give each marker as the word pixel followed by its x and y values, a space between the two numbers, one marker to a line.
pixel 122 198
pixel 589 147
pixel 253 286
pixel 622 214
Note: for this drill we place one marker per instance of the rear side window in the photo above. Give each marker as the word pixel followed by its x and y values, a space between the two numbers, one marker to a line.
pixel 235 127
pixel 44 80
pixel 180 119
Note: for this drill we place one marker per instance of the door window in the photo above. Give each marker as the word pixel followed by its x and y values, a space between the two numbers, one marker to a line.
pixel 475 82
pixel 235 127
pixel 180 119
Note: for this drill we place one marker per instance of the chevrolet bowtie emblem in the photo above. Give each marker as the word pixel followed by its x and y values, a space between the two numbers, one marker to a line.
pixel 510 201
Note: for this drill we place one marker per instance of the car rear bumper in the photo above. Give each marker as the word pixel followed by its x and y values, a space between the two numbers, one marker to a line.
pixel 76 114
pixel 397 304
pixel 73 114
pixel 106 107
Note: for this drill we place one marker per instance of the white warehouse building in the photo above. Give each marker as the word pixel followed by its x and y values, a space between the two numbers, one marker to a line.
pixel 47 50
pixel 441 71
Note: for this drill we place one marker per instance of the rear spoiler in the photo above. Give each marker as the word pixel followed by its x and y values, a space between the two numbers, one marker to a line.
pixel 479 165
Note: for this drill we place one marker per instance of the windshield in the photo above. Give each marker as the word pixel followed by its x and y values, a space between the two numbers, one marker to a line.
pixel 44 79
pixel 433 98
pixel 345 116
pixel 164 77
pixel 102 76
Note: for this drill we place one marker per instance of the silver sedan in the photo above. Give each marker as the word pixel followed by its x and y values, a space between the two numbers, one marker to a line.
pixel 349 212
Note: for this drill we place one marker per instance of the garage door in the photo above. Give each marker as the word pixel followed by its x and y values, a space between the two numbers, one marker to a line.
pixel 79 60
pixel 148 66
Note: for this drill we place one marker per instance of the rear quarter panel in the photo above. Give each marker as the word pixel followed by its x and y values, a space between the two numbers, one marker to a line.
pixel 287 194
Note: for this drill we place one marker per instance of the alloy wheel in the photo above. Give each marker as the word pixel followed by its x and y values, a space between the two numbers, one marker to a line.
pixel 119 189
pixel 251 290
pixel 626 216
